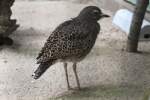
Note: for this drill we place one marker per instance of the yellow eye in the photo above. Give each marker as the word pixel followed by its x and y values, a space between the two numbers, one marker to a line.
pixel 95 11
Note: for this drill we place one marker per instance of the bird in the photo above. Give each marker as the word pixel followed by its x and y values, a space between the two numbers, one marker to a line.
pixel 71 42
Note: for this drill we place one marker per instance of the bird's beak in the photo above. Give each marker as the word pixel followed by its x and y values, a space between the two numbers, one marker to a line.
pixel 104 15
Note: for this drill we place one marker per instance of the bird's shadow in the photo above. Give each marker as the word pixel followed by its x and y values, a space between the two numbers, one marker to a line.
pixel 101 91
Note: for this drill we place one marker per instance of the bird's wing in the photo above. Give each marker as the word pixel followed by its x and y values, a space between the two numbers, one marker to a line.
pixel 52 39
pixel 62 42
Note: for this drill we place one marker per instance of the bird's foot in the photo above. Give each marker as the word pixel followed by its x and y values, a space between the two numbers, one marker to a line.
pixel 69 88
pixel 74 89
pixel 77 88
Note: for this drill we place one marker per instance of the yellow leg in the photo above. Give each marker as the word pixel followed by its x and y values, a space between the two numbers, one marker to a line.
pixel 76 75
pixel 66 73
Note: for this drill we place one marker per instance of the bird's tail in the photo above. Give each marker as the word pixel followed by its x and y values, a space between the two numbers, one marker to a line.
pixel 41 69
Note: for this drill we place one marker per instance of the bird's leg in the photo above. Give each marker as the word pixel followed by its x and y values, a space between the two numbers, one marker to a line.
pixel 66 73
pixel 76 75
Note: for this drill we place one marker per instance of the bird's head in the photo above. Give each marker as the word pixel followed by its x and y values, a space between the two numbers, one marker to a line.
pixel 92 13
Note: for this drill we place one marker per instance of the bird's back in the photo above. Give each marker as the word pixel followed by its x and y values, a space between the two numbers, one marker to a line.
pixel 71 40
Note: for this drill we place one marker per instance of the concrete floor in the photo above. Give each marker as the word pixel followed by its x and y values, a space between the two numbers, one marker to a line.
pixel 107 72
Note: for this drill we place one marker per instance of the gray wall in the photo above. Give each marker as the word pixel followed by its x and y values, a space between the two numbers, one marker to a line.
pixel 112 5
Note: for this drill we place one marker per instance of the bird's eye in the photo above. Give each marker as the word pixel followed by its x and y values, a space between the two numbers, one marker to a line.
pixel 95 11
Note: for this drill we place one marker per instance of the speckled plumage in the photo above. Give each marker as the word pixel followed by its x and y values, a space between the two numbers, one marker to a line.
pixel 71 41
